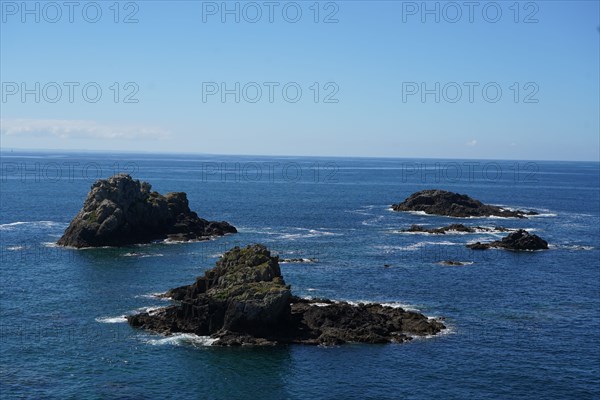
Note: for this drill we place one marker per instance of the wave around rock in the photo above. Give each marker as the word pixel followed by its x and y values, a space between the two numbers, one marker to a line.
pixel 460 228
pixel 121 211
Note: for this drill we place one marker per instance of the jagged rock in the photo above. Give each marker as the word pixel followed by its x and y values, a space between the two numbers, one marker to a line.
pixel 243 293
pixel 441 202
pixel 454 228
pixel 121 211
pixel 244 301
pixel 519 240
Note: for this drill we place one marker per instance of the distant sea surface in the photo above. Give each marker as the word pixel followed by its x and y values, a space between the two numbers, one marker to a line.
pixel 520 325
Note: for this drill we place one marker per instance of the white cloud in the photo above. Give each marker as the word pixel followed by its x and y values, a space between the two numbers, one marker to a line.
pixel 471 142
pixel 81 129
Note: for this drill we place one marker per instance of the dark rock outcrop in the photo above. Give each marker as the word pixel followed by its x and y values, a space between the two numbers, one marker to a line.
pixel 121 211
pixel 454 228
pixel 441 202
pixel 245 301
pixel 519 240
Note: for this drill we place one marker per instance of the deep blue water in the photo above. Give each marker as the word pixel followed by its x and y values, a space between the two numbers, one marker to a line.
pixel 520 325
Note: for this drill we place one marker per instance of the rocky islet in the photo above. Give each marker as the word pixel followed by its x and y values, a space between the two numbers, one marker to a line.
pixel 121 211
pixel 442 202
pixel 244 301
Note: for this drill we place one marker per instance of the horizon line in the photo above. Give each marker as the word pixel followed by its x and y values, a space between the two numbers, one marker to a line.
pixel 191 153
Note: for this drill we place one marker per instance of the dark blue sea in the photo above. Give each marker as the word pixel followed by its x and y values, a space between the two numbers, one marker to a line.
pixel 520 325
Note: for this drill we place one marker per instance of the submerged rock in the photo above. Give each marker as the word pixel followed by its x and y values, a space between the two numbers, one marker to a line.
pixel 441 202
pixel 121 211
pixel 245 301
pixel 452 263
pixel 519 240
pixel 454 228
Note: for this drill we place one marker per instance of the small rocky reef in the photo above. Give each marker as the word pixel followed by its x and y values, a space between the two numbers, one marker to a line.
pixel 441 202
pixel 517 241
pixel 453 263
pixel 244 301
pixel 298 260
pixel 458 228
pixel 121 211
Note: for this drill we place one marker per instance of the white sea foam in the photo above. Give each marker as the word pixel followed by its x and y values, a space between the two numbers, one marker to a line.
pixel 393 249
pixel 423 213
pixel 393 304
pixel 290 233
pixel 112 320
pixel 462 263
pixel 179 339
pixel 364 210
pixel 153 296
pixel 372 221
pixel 420 213
pixel 574 247
pixel 414 246
pixel 15 248
pixel 264 231
pixel 487 217
pixel 542 215
pixel 299 261
pixel 174 241
pixel 150 310
pixel 448 330
pixel 542 212
pixel 442 243
pixel 142 255
pixel 483 229
pixel 401 232
pixel 34 224
pixel 360 212
pixel 307 233
pixel 11 225
pixel 312 289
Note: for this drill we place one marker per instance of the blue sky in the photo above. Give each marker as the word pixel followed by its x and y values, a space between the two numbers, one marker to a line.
pixel 375 61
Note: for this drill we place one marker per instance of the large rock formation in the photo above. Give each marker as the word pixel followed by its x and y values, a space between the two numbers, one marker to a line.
pixel 519 240
pixel 441 202
pixel 244 300
pixel 122 211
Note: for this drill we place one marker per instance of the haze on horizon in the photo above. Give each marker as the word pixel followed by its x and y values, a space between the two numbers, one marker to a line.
pixel 361 79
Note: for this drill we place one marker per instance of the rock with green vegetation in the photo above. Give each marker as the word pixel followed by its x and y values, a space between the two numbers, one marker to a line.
pixel 245 301
pixel 121 211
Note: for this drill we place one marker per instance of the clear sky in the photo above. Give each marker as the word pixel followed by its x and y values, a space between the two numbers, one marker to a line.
pixel 393 78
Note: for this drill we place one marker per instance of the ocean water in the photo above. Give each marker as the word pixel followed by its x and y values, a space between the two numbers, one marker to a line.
pixel 521 325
